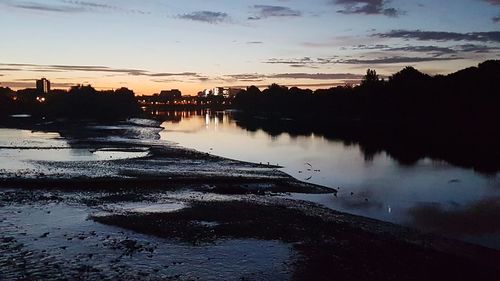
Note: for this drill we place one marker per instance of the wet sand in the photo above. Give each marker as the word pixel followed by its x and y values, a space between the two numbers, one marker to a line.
pixel 177 214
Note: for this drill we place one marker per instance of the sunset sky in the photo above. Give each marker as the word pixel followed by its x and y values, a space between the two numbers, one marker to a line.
pixel 150 45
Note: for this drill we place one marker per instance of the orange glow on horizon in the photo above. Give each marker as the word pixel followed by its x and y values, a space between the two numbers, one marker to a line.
pixel 147 88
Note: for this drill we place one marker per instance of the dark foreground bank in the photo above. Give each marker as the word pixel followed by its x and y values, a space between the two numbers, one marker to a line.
pixel 181 234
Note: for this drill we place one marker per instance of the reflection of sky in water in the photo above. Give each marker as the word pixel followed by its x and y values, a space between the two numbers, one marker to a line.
pixel 26 139
pixel 19 149
pixel 380 188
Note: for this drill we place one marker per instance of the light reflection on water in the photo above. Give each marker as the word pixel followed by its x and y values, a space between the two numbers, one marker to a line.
pixel 20 149
pixel 430 195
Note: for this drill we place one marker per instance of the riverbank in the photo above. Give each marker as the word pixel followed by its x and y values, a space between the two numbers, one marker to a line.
pixel 158 234
pixel 178 214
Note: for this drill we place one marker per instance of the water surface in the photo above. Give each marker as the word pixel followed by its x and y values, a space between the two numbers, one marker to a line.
pixel 21 149
pixel 430 194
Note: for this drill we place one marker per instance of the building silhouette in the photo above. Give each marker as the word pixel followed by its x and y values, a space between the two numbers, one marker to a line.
pixel 43 86
pixel 171 94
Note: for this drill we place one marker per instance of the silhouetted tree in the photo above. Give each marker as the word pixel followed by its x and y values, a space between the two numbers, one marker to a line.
pixel 79 102
pixel 253 90
pixel 6 100
pixel 409 75
pixel 82 90
pixel 412 115
pixel 125 91
pixel 275 89
pixel 370 78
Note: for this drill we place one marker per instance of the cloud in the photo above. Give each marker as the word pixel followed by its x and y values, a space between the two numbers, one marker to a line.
pixel 306 85
pixel 47 7
pixel 91 5
pixel 256 77
pixel 430 49
pixel 166 80
pixel 28 84
pixel 301 61
pixel 395 60
pixel 491 36
pixel 69 6
pixel 306 62
pixel 247 77
pixel 206 16
pixel 90 68
pixel 369 47
pixel 316 76
pixel 424 49
pixel 481 217
pixel 160 77
pixel 9 69
pixel 95 69
pixel 267 11
pixel 25 80
pixel 367 7
pixel 164 74
pixel 302 66
pixel 164 77
pixel 493 2
pixel 476 48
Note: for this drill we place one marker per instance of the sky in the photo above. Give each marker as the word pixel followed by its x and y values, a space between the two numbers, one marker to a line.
pixel 191 45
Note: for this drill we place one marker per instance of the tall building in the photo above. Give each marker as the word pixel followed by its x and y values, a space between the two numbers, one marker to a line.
pixel 43 86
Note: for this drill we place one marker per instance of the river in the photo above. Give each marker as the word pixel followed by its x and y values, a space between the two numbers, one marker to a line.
pixel 430 194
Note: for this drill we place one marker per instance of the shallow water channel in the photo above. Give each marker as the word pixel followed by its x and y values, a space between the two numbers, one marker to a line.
pixel 431 195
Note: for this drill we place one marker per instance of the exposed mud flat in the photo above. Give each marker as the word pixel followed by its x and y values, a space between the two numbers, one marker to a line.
pixel 190 235
pixel 52 235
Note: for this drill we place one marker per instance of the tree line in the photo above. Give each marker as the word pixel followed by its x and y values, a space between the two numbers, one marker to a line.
pixel 468 95
pixel 78 102
pixel 409 115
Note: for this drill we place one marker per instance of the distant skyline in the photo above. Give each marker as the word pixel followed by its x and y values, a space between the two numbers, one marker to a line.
pixel 151 45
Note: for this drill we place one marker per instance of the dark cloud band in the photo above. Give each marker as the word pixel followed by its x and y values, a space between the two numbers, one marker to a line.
pixel 206 16
pixel 267 11
pixel 491 36
pixel 70 6
pixel 90 68
pixel 367 7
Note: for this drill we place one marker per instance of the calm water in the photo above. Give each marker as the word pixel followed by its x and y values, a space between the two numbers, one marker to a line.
pixel 21 149
pixel 430 195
